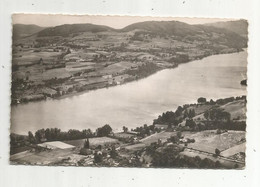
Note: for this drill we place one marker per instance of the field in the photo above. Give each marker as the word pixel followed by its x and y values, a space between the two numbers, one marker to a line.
pixel 135 147
pixel 92 141
pixel 115 68
pixel 154 138
pixel 44 157
pixel 209 140
pixel 50 74
pixel 30 57
pixel 56 145
pixel 234 150
pixel 123 135
pixel 236 109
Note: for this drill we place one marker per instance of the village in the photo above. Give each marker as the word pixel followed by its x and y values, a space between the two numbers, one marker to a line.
pixel 209 134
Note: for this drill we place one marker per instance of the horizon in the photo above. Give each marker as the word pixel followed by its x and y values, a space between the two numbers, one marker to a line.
pixel 116 22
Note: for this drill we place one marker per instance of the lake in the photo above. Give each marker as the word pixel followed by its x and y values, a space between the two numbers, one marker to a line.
pixel 139 102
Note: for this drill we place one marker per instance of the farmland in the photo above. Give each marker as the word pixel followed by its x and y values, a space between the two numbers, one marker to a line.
pixel 154 138
pixel 215 147
pixel 76 55
pixel 70 59
pixel 93 141
pixel 234 150
pixel 208 141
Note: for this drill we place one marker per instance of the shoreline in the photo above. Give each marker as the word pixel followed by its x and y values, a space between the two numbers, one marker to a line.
pixel 126 82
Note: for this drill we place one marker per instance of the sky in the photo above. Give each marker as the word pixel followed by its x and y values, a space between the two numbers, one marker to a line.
pixel 117 22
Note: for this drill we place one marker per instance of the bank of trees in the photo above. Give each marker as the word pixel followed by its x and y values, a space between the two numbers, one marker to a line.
pixel 213 125
pixel 169 117
pixel 143 70
pixel 55 134
pixel 146 130
pixel 217 114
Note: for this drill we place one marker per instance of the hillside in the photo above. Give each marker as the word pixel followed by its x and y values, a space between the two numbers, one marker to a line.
pixel 240 27
pixel 66 30
pixel 87 56
pixel 20 30
pixel 164 27
pixel 220 35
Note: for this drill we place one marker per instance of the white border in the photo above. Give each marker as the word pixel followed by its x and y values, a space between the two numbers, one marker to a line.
pixel 72 176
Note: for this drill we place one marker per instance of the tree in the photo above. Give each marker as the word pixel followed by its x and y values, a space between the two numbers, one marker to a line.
pixel 87 133
pixel 104 131
pixel 178 112
pixel 185 115
pixel 98 158
pixel 192 113
pixel 48 134
pixel 174 139
pixel 113 153
pixel 190 123
pixel 206 115
pixel 202 100
pixel 39 135
pixel 31 137
pixel 211 102
pixel 125 129
pixel 179 134
pixel 217 152
pixel 86 144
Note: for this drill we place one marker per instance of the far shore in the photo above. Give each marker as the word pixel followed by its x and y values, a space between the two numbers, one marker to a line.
pixel 67 95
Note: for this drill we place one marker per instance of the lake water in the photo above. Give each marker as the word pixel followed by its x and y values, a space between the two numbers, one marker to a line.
pixel 139 102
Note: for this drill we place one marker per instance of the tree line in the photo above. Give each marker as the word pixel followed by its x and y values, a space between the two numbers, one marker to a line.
pixel 55 134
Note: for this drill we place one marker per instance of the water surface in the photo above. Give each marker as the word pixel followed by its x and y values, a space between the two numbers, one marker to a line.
pixel 139 102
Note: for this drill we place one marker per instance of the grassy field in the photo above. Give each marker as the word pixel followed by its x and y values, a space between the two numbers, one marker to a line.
pixel 154 138
pixel 209 140
pixel 92 141
pixel 135 147
pixel 44 157
pixel 114 68
pixel 234 150
pixel 236 109
pixel 50 74
pixel 30 57
pixel 123 135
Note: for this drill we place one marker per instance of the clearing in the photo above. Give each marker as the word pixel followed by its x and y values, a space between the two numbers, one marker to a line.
pixel 92 141
pixel 56 145
pixel 154 137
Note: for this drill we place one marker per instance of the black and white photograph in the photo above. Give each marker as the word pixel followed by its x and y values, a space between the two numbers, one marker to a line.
pixel 128 91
